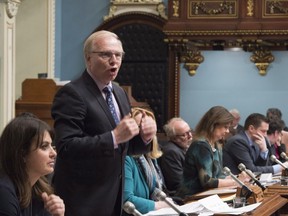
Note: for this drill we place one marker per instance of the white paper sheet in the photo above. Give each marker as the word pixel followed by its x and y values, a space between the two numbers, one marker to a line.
pixel 206 206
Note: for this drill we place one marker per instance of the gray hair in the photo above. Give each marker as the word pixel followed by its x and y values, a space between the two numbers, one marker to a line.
pixel 90 41
pixel 169 126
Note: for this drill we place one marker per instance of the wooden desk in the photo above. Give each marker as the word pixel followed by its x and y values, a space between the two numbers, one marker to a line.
pixel 221 192
pixel 38 94
pixel 37 97
pixel 275 201
pixel 271 205
pixel 276 188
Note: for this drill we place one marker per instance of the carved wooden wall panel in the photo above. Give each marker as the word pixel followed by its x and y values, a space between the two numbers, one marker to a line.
pixel 226 19
pixel 275 9
pixel 256 26
pixel 212 9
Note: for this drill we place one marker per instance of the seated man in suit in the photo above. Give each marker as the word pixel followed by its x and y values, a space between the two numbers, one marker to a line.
pixel 179 139
pixel 235 127
pixel 249 147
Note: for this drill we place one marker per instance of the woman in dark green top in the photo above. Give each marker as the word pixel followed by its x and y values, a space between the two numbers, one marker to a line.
pixel 203 160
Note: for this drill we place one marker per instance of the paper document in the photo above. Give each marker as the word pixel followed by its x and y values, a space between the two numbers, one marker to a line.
pixel 218 191
pixel 267 179
pixel 207 206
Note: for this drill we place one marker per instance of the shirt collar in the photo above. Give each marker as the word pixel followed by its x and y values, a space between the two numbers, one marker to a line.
pixel 249 139
pixel 100 85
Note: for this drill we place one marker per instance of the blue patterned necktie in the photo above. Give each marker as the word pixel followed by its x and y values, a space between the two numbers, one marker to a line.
pixel 108 93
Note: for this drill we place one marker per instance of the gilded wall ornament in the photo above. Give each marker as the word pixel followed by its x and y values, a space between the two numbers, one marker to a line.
pixel 278 6
pixel 191 59
pixel 262 59
pixel 118 7
pixel 175 9
pixel 137 1
pixel 222 6
pixel 250 7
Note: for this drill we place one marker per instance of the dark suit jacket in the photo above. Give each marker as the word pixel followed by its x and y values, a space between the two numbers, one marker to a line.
pixel 89 171
pixel 171 163
pixel 273 151
pixel 237 150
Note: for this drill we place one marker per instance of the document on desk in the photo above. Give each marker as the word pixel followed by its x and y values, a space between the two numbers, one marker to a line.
pixel 268 179
pixel 215 205
pixel 218 191
pixel 207 206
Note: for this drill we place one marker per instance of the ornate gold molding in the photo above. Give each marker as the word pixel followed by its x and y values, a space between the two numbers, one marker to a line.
pixel 118 7
pixel 262 59
pixel 191 58
pixel 250 8
pixel 235 33
pixel 276 8
pixel 215 9
pixel 176 8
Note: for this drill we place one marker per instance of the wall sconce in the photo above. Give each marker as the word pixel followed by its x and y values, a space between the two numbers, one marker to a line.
pixel 191 59
pixel 262 59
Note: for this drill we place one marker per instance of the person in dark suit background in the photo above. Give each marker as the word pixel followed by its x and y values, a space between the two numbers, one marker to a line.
pixel 249 147
pixel 274 136
pixel 236 122
pixel 91 145
pixel 179 136
pixel 235 127
pixel 275 113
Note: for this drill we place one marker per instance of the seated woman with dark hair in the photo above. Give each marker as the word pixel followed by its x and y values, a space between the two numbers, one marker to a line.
pixel 26 156
pixel 142 174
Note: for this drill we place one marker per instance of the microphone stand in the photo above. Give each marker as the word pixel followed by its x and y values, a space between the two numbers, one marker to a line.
pixel 242 167
pixel 274 159
pixel 160 195
pixel 284 156
pixel 129 208
pixel 245 191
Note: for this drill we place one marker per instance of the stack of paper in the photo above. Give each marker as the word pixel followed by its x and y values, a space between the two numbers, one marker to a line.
pixel 206 206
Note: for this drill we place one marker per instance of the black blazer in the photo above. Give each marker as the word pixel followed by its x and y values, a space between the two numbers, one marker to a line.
pixel 89 171
pixel 171 163
pixel 238 150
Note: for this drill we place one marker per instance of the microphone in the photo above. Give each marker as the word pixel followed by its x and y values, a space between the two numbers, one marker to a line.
pixel 242 167
pixel 129 208
pixel 274 159
pixel 160 195
pixel 284 156
pixel 245 191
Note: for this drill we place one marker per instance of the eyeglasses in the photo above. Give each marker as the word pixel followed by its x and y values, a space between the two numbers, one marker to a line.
pixel 107 55
pixel 187 133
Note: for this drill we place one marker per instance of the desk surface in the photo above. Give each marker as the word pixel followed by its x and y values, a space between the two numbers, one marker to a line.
pixel 221 192
pixel 275 199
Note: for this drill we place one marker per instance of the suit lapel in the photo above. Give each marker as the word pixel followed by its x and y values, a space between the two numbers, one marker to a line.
pixel 93 88
pixel 121 100
pixel 124 107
